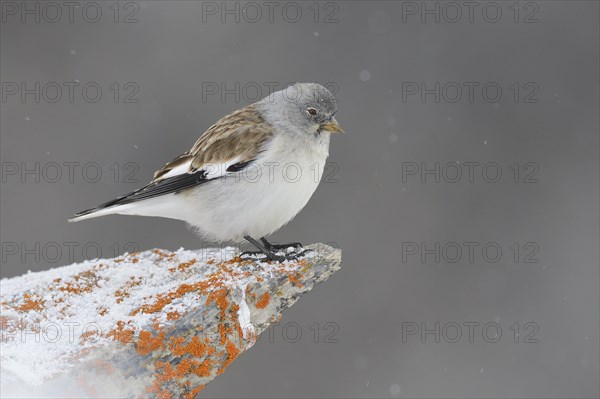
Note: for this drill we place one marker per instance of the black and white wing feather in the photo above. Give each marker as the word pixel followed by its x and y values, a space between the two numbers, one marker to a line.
pixel 228 146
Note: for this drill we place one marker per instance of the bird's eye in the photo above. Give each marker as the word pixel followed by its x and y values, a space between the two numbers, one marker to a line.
pixel 311 111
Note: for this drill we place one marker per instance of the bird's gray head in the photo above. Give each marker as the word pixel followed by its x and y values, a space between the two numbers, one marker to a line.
pixel 303 108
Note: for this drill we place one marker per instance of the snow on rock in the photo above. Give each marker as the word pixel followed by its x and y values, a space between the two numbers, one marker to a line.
pixel 149 324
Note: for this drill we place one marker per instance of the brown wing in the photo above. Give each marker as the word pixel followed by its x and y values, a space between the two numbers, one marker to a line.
pixel 239 135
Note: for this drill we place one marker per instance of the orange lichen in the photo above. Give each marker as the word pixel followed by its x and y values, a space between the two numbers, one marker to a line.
pixel 120 295
pixel 121 334
pixel 231 353
pixel 167 374
pixel 124 291
pixel 176 346
pixel 165 299
pixel 194 359
pixel 263 300
pixel 31 304
pixel 184 367
pixel 236 259
pixel 224 331
pixel 174 315
pixel 156 325
pixel 148 343
pixel 204 369
pixel 219 297
pixel 184 265
pixel 295 280
pixel 85 282
pixel 195 347
pixel 163 255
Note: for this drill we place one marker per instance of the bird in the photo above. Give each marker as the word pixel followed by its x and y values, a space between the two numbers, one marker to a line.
pixel 247 175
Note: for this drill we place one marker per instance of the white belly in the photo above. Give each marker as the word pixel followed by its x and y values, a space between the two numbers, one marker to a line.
pixel 256 203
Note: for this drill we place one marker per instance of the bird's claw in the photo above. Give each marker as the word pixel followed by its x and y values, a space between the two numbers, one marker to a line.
pixel 274 256
pixel 281 247
pixel 274 252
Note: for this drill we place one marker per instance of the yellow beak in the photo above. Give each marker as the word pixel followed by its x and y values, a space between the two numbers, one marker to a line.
pixel 332 126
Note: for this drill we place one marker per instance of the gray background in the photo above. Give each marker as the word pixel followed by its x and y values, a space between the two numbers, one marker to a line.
pixel 366 209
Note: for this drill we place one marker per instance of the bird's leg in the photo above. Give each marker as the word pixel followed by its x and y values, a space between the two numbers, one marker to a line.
pixel 269 250
pixel 262 249
pixel 272 247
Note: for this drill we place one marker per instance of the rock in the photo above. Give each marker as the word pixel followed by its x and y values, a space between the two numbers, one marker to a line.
pixel 152 324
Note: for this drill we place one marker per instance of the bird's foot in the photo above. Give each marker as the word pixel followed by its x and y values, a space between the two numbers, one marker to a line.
pixel 274 252
pixel 278 247
pixel 274 256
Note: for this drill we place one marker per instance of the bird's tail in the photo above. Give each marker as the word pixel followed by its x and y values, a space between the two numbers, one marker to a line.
pixel 97 212
pixel 148 200
pixel 171 207
pixel 115 206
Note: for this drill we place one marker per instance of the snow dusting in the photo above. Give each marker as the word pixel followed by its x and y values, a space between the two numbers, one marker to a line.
pixel 173 320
